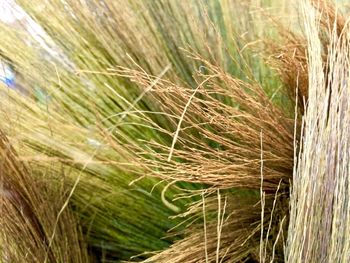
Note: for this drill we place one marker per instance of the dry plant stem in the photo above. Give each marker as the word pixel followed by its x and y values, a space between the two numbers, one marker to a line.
pixel 183 115
pixel 262 200
pixel 205 229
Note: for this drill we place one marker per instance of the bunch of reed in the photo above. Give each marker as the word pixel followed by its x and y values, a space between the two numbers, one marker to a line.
pixel 167 131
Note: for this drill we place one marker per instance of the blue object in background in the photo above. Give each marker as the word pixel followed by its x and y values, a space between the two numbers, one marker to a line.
pixel 7 75
pixel 9 82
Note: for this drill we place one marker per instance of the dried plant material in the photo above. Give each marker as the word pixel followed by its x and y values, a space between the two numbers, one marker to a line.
pixel 28 209
pixel 320 219
pixel 217 132
pixel 166 131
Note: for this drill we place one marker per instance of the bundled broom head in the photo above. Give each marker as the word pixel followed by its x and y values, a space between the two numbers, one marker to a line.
pixel 320 194
pixel 175 132
pixel 30 228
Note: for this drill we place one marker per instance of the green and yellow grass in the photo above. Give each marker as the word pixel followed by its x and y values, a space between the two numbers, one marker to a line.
pixel 171 131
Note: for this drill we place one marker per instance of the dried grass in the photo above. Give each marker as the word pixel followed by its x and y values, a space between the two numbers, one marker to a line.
pixel 319 223
pixel 28 209
pixel 180 118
